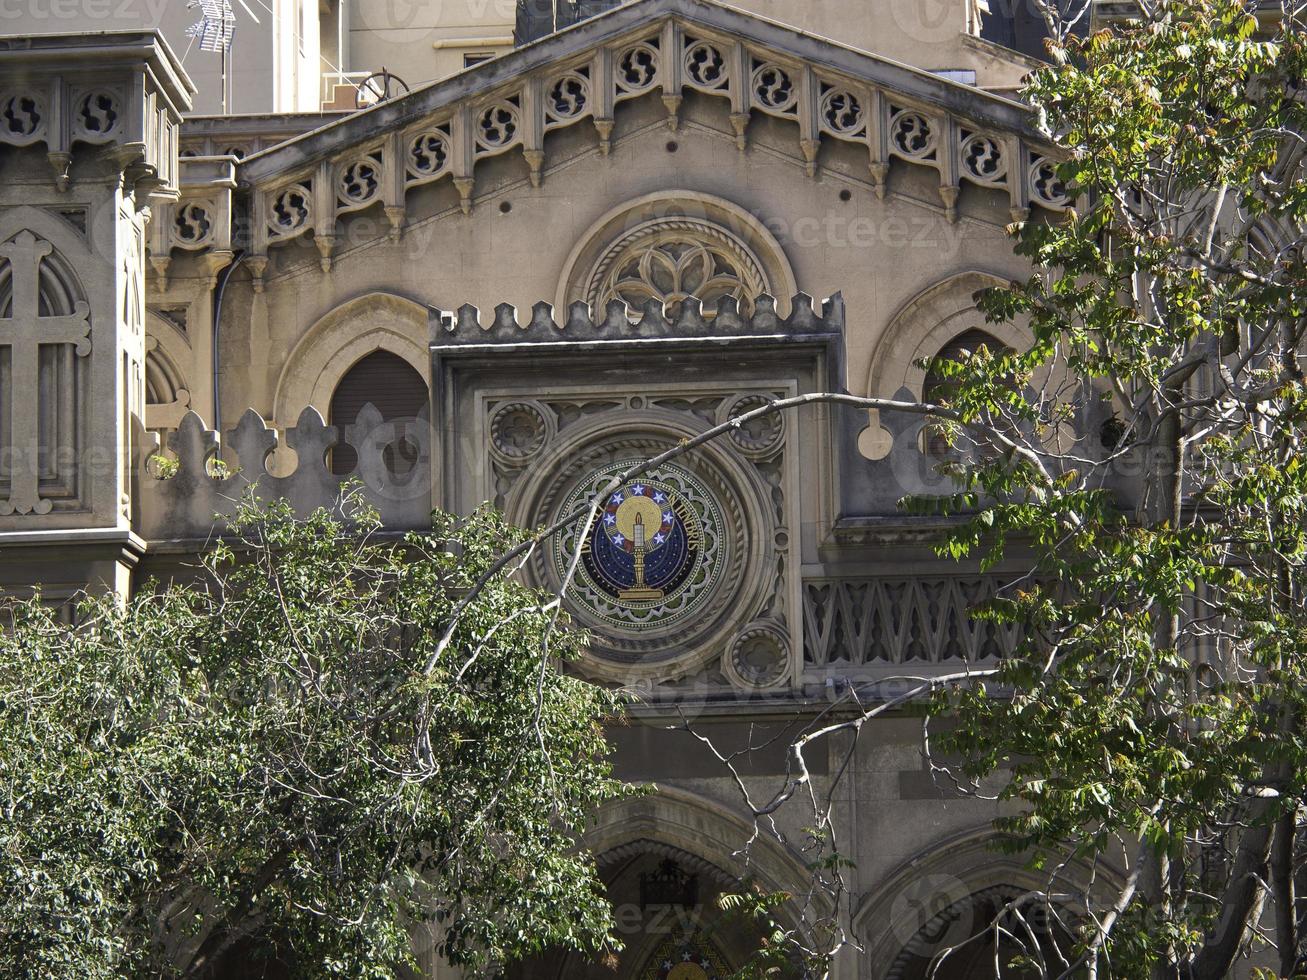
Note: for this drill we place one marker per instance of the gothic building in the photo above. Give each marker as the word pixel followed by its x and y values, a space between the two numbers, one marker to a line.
pixel 506 281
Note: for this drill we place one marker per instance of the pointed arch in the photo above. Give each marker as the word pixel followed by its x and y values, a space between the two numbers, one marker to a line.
pixel 921 328
pixel 897 919
pixel 926 324
pixel 337 341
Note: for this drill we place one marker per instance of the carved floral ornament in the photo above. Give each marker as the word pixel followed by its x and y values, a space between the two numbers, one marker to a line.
pixel 669 260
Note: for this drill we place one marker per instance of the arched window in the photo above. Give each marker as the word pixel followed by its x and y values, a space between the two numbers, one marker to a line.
pixel 389 384
pixel 939 389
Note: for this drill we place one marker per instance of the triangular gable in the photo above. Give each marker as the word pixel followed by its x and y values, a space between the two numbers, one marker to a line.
pixel 828 91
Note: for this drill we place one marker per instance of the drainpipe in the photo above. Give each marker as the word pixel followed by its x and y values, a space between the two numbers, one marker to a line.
pixel 218 292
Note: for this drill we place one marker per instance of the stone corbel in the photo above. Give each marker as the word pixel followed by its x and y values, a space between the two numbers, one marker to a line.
pixel 258 265
pixel 670 68
pixel 395 214
pixel 948 193
pixel 605 129
pixel 809 133
pixel 214 261
pixel 879 162
pixel 879 175
pixel 535 159
pixel 326 244
pixel 739 94
pixel 810 147
pixel 740 123
pixel 160 263
pixel 465 187
pixel 533 129
pixel 61 161
pixel 948 155
pixel 672 103
pixel 392 186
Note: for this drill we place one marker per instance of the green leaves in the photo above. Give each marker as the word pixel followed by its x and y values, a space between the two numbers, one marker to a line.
pixel 1155 704
pixel 256 758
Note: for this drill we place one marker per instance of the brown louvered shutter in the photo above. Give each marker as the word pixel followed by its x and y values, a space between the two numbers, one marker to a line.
pixel 937 388
pixel 385 380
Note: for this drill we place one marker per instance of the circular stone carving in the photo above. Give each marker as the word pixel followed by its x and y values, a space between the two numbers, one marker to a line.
pixel 983 159
pixel 842 112
pixel 428 154
pixel 719 500
pixel 569 95
pixel 97 115
pixel 760 437
pixel 193 225
pixel 291 210
pixel 912 134
pixel 759 657
pixel 637 68
pixel 654 554
pixel 773 88
pixel 671 259
pixel 22 116
pixel 518 430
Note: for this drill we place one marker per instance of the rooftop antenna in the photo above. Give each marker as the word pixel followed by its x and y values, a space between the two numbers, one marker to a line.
pixel 215 31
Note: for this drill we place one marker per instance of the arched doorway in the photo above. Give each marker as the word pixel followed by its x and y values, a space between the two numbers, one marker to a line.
pixel 667 913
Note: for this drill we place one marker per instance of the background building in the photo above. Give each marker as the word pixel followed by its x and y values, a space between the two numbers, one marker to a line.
pixel 507 282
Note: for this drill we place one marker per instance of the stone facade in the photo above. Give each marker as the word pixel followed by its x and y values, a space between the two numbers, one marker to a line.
pixel 587 251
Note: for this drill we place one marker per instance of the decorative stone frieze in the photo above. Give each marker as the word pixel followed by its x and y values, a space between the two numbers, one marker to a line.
pixel 122 91
pixel 448 129
pixel 856 626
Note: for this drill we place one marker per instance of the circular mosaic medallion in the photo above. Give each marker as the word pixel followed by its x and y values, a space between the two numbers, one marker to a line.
pixel 695 961
pixel 654 552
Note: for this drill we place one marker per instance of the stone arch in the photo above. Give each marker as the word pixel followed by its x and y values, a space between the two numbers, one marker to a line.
pixel 925 324
pixel 735 239
pixel 167 387
pixel 922 327
pixel 700 836
pixel 695 825
pixel 336 342
pixel 897 917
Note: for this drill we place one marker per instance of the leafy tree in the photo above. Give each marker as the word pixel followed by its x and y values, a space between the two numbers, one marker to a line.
pixel 270 757
pixel 1156 700
pixel 1144 454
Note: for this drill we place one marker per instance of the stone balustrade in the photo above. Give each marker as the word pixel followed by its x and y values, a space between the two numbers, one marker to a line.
pixel 187 494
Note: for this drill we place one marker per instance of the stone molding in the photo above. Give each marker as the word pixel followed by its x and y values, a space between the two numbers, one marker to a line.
pixel 617 322
pixel 693 213
pixel 326 351
pixel 890 917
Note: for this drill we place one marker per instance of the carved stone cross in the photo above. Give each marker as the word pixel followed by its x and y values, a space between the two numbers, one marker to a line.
pixel 24 331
